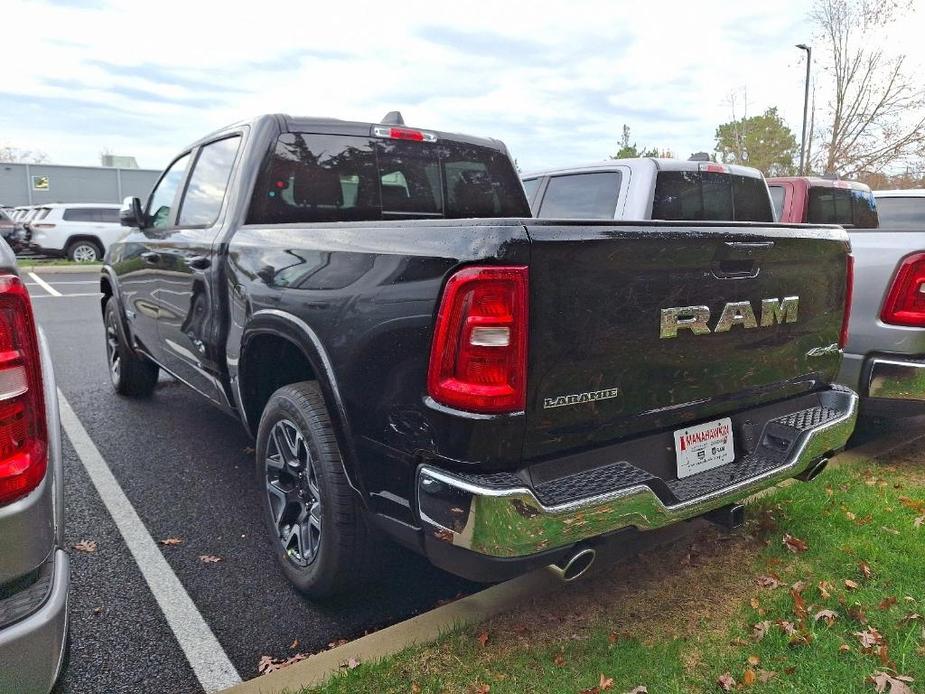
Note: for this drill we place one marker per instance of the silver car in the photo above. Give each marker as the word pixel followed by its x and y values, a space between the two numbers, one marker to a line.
pixel 34 570
pixel 885 355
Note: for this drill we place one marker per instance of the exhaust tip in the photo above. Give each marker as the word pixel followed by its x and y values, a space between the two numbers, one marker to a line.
pixel 813 471
pixel 729 517
pixel 575 566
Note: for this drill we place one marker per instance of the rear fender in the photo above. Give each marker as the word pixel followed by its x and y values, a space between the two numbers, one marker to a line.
pixel 295 330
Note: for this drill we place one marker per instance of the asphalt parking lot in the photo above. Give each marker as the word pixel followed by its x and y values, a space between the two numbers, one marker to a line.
pixel 186 469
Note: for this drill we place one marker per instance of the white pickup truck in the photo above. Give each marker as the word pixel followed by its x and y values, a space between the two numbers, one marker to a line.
pixel 649 188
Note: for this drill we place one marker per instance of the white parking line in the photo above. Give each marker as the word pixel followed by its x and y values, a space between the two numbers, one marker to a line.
pixel 44 285
pixel 205 654
pixel 72 282
pixel 65 296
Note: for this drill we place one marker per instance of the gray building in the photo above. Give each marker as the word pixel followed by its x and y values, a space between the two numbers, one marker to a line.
pixel 34 184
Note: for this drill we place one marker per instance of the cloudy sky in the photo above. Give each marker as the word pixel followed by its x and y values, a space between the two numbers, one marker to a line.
pixel 555 82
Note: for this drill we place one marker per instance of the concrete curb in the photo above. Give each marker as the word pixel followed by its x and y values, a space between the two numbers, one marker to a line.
pixel 60 269
pixel 421 629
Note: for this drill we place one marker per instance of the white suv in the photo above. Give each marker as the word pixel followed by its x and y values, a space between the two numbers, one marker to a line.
pixel 82 232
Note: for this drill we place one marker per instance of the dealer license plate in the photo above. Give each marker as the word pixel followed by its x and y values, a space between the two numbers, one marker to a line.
pixel 704 447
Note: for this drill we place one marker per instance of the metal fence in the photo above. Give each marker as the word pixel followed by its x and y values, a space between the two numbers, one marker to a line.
pixel 34 184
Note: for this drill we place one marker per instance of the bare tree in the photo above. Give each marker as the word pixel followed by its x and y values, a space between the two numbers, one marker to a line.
pixel 876 115
pixel 24 156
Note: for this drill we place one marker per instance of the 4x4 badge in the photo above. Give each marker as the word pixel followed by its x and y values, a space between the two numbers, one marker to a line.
pixel 579 398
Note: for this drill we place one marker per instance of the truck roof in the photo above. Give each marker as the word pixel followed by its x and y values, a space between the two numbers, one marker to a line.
pixel 645 163
pixel 336 126
pixel 909 193
pixel 819 182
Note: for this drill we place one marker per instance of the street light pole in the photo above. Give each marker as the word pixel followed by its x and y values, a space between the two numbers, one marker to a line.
pixel 809 60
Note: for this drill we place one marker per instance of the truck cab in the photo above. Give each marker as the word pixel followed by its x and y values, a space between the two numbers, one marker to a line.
pixel 648 188
pixel 815 200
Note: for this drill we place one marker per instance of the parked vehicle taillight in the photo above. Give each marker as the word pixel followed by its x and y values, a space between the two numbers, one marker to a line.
pixel 905 302
pixel 478 361
pixel 849 294
pixel 23 435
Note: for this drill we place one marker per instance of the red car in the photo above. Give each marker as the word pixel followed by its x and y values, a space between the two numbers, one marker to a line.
pixel 807 199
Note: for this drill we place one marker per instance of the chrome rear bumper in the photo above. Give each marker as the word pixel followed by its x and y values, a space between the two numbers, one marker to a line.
pixel 896 379
pixel 500 515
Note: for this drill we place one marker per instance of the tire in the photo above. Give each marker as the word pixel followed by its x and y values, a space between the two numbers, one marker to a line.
pixel 129 372
pixel 313 519
pixel 84 251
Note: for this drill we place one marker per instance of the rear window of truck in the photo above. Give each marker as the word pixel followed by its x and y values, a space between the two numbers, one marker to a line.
pixel 854 208
pixel 902 213
pixel 710 195
pixel 339 178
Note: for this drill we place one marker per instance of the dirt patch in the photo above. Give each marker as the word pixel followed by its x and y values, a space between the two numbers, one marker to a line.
pixel 907 462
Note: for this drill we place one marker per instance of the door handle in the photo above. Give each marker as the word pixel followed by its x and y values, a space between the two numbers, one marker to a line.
pixel 198 262
pixel 151 257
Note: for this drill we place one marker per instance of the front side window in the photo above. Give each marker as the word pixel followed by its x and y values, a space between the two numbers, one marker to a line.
pixel 207 185
pixel 902 213
pixel 80 214
pixel 162 197
pixel 581 196
pixel 332 178
pixel 530 186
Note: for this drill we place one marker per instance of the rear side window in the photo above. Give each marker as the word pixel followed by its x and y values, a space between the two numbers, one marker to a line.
pixel 710 195
pixel 332 178
pixel 902 213
pixel 581 196
pixel 854 208
pixel 777 199
pixel 205 191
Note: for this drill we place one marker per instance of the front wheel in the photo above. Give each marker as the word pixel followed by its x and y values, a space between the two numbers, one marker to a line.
pixel 129 372
pixel 313 517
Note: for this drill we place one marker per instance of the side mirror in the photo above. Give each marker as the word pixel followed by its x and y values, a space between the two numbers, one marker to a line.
pixel 131 214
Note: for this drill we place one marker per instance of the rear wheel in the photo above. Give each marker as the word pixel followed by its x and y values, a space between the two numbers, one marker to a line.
pixel 313 517
pixel 129 372
pixel 84 251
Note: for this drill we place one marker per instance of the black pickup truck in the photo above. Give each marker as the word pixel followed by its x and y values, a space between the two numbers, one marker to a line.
pixel 419 358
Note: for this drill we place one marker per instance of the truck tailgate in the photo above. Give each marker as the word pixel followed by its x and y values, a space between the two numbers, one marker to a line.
pixel 609 358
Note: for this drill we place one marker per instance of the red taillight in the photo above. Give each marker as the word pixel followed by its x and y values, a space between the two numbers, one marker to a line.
pixel 905 302
pixel 478 361
pixel 849 294
pixel 404 134
pixel 23 436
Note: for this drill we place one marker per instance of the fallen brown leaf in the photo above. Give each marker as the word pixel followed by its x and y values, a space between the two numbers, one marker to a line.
pixel 559 660
pixel 765 676
pixel 851 585
pixel 415 688
pixel 605 683
pixel 828 615
pixel 88 546
pixel 726 682
pixel 910 617
pixel 638 690
pixel 482 638
pixel 887 602
pixel 209 559
pixel 749 677
pixel 787 627
pixel 918 522
pixel 294 645
pixel 799 586
pixel 352 664
pixel 825 589
pixel 769 582
pixel 869 638
pixel 760 630
pixel 794 544
pixel 170 541
pixel 753 660
pixel 864 568
pixel 891 531
pixel 844 648
pixel 898 684
pixel 917 505
pixel 481 689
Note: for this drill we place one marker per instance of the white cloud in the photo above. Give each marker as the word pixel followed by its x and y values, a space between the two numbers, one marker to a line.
pixel 554 82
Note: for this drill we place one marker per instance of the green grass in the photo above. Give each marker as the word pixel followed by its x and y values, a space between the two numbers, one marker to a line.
pixel 52 262
pixel 568 651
